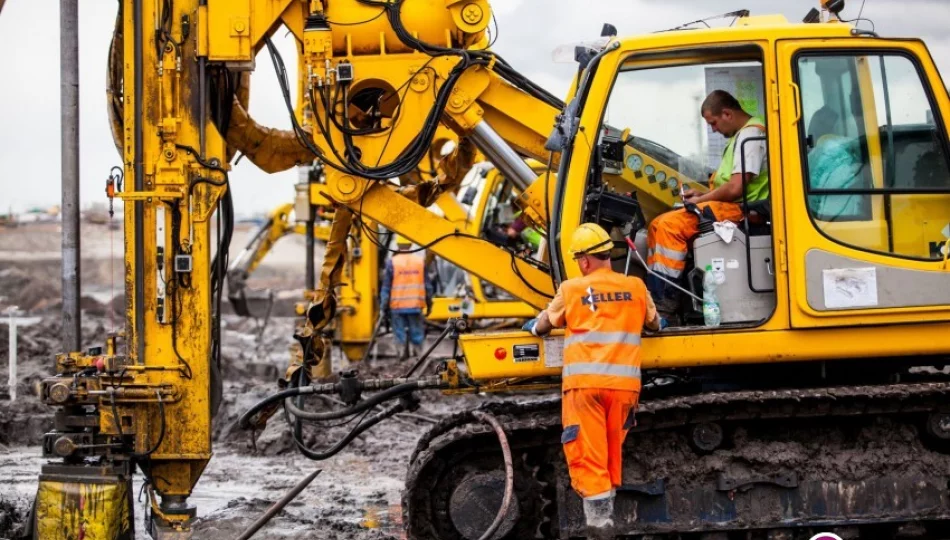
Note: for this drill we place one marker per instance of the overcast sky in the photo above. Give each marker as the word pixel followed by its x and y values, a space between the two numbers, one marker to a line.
pixel 529 31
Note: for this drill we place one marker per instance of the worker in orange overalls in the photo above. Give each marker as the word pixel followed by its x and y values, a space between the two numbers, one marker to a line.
pixel 405 292
pixel 669 233
pixel 604 312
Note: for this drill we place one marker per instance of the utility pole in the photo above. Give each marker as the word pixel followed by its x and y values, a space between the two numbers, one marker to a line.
pixel 69 115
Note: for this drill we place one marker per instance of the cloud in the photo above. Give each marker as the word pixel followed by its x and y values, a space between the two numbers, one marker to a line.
pixel 529 32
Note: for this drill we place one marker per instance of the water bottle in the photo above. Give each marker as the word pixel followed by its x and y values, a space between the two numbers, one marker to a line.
pixel 712 279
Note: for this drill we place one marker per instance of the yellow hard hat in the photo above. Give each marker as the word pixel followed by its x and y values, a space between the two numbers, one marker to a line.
pixel 402 240
pixel 590 238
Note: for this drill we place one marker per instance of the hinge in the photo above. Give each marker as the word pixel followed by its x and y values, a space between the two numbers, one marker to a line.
pixel 774 98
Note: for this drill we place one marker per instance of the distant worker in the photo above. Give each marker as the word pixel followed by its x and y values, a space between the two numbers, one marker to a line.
pixel 669 233
pixel 520 233
pixel 405 292
pixel 604 312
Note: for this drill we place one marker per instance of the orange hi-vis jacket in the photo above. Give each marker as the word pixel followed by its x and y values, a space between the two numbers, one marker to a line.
pixel 409 285
pixel 604 315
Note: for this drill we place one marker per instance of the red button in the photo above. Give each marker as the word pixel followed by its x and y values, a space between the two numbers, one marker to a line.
pixel 501 353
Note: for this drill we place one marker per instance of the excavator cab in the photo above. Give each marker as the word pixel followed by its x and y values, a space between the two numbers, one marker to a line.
pixel 857 222
pixel 675 151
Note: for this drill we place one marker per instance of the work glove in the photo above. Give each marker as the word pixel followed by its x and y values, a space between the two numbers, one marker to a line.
pixel 532 326
pixel 663 323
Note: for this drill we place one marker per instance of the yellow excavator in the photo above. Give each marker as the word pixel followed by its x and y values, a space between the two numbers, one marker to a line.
pixel 818 405
pixel 485 207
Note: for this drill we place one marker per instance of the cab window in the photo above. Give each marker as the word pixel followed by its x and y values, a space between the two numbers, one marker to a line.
pixel 876 168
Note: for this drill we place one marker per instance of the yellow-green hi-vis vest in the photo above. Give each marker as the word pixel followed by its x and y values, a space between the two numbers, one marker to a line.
pixel 758 188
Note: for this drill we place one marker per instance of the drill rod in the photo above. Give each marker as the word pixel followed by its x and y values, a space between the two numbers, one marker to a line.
pixel 278 506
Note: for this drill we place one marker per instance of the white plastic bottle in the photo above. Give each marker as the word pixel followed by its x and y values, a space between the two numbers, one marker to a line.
pixel 712 279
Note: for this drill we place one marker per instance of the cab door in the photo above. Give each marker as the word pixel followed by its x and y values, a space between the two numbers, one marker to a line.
pixel 867 182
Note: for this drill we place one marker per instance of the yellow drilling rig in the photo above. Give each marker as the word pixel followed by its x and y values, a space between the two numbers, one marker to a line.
pixel 817 404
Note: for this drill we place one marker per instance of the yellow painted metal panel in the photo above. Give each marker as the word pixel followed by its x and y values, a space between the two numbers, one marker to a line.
pixel 87 510
pixel 804 236
pixel 719 347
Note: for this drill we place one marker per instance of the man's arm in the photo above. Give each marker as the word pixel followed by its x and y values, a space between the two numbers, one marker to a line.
pixel 430 290
pixel 651 321
pixel 731 191
pixel 387 286
pixel 553 316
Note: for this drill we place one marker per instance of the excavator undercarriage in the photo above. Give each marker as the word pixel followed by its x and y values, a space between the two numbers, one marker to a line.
pixel 774 464
pixel 868 461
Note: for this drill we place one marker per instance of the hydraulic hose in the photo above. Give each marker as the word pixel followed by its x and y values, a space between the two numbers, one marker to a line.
pixel 376 399
pixel 509 472
pixel 355 432
pixel 369 403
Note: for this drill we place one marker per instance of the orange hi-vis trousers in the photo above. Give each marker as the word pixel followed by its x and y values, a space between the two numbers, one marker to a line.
pixel 595 424
pixel 669 234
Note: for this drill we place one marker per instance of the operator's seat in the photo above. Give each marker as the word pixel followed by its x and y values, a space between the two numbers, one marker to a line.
pixel 823 122
pixel 760 218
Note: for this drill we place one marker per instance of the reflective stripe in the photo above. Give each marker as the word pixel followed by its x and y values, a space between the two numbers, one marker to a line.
pixel 405 287
pixel 661 268
pixel 590 368
pixel 603 338
pixel 671 253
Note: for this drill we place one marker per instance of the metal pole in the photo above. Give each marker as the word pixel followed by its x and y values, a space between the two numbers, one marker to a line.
pixel 503 156
pixel 311 267
pixel 13 376
pixel 278 506
pixel 69 116
pixel 139 178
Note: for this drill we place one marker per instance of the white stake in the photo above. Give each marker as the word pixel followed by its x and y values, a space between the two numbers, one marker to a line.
pixel 12 381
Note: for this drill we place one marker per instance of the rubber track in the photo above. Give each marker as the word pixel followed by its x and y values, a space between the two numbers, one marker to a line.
pixel 526 421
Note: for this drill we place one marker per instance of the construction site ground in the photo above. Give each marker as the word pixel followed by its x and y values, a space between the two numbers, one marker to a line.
pixel 357 496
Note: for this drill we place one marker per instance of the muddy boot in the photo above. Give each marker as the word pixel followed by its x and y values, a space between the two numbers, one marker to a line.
pixel 599 514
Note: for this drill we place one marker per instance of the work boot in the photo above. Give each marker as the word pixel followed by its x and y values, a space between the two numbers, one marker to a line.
pixel 599 514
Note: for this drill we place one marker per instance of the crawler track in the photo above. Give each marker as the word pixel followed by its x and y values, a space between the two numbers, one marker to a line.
pixel 856 459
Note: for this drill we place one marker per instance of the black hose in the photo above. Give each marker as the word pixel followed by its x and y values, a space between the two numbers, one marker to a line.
pixel 364 405
pixel 355 432
pixel 509 472
pixel 370 402
pixel 245 421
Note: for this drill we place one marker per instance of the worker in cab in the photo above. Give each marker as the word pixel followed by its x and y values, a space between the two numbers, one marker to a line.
pixel 604 313
pixel 405 293
pixel 669 234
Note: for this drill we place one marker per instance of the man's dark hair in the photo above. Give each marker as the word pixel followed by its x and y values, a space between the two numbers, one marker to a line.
pixel 717 101
pixel 602 256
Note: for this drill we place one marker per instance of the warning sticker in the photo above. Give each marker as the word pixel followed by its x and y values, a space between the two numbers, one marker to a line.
pixel 526 353
pixel 554 352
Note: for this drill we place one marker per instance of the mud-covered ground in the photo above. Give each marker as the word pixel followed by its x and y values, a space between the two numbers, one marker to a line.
pixel 356 496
